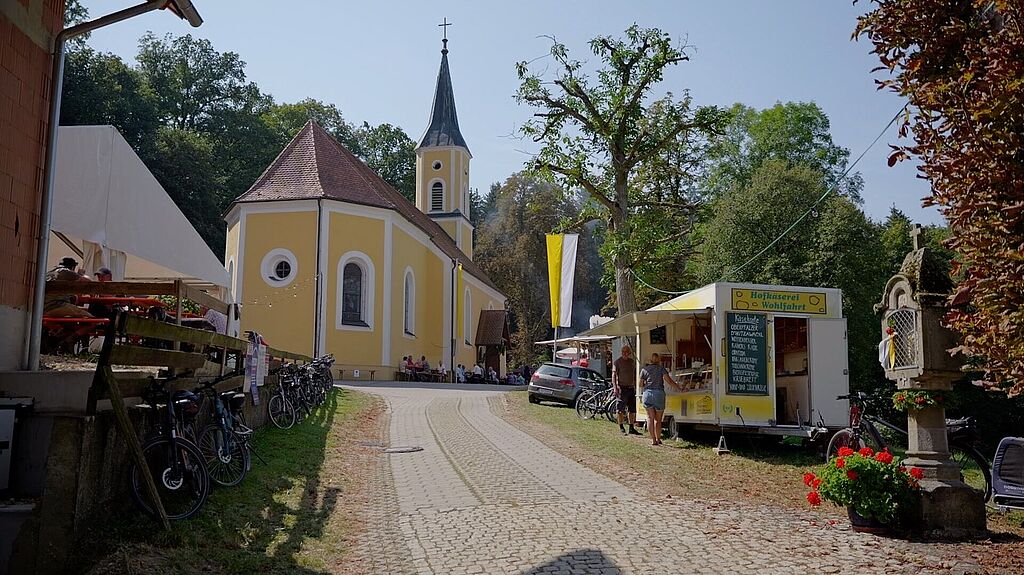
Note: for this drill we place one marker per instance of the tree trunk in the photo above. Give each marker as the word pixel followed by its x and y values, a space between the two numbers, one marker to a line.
pixel 625 298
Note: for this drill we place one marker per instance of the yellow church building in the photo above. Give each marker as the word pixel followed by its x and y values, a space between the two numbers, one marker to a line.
pixel 326 257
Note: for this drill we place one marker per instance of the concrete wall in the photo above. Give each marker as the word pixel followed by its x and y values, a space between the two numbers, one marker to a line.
pixel 27 29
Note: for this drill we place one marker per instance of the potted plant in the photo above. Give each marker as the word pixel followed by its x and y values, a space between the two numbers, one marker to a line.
pixel 874 487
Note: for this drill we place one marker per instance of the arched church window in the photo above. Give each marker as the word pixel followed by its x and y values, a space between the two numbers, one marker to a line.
pixel 355 295
pixel 437 197
pixel 409 322
pixel 352 295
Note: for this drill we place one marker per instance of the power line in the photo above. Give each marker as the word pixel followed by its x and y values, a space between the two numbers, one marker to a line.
pixel 822 198
pixel 649 286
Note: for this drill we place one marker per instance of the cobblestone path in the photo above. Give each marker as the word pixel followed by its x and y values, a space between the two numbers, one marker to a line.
pixel 484 497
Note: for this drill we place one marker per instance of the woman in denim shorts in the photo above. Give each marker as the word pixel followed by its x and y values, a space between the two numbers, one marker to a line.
pixel 653 379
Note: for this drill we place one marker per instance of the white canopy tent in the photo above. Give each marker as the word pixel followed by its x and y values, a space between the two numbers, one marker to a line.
pixel 111 212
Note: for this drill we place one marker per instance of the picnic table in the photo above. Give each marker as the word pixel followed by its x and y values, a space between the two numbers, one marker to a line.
pixel 65 330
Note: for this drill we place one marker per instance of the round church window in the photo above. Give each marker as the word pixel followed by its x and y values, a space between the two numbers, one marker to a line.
pixel 437 165
pixel 279 267
pixel 282 270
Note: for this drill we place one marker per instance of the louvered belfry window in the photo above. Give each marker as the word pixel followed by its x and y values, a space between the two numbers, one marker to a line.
pixel 437 197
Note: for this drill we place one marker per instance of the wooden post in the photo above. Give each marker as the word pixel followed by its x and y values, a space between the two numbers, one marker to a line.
pixel 104 380
pixel 132 439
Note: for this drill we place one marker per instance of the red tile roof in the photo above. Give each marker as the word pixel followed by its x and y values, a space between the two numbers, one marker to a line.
pixel 492 329
pixel 314 165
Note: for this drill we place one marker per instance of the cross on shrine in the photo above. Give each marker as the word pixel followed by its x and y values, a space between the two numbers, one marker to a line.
pixel 915 235
pixel 444 27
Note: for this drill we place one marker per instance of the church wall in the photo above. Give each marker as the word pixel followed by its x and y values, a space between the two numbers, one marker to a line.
pixel 355 347
pixel 480 300
pixel 283 315
pixel 428 272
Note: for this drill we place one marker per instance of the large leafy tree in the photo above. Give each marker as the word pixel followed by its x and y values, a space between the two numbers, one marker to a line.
pixel 599 134
pixel 960 64
pixel 797 133
pixel 835 246
pixel 101 89
pixel 191 80
pixel 390 152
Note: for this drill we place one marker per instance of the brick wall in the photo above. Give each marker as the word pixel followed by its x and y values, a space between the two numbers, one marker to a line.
pixel 27 28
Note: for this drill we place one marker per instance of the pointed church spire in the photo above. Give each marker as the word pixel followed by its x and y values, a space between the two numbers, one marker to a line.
pixel 444 122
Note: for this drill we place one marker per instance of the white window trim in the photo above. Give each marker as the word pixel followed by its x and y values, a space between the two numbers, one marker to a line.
pixel 467 319
pixel 369 289
pixel 271 260
pixel 409 302
pixel 430 194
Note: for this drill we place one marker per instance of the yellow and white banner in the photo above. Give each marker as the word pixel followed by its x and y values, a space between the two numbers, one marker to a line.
pixel 561 272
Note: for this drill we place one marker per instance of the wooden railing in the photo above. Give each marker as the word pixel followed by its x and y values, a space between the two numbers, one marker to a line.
pixel 130 341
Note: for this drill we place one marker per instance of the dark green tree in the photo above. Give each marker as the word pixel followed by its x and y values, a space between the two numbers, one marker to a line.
pixel 599 134
pixel 512 250
pixel 390 152
pixel 797 133
pixel 191 80
pixel 185 164
pixel 835 246
pixel 101 89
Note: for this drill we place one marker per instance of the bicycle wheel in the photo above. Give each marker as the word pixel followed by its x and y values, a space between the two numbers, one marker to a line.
pixel 281 412
pixel 842 438
pixel 974 468
pixel 226 455
pixel 611 408
pixel 179 473
pixel 584 405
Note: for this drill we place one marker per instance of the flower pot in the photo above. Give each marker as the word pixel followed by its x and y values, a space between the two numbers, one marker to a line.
pixel 862 524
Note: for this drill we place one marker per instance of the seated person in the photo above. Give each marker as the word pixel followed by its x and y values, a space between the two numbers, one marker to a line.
pixel 478 374
pixel 492 376
pixel 460 374
pixel 63 305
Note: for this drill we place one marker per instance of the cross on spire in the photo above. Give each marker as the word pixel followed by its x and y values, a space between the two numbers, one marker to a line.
pixel 444 27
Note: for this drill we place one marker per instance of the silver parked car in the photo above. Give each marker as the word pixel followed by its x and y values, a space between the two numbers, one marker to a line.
pixel 562 383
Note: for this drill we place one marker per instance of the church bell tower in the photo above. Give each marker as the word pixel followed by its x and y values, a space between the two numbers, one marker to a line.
pixel 442 163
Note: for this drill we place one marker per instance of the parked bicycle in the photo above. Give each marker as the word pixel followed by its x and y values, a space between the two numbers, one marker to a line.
pixel 596 401
pixel 961 435
pixel 225 452
pixel 175 463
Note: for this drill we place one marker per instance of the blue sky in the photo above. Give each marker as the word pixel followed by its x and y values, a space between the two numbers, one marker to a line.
pixel 377 61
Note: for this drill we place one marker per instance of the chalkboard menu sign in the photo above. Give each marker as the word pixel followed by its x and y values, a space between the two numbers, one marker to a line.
pixel 747 345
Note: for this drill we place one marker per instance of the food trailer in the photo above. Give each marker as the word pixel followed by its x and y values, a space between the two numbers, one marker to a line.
pixel 755 358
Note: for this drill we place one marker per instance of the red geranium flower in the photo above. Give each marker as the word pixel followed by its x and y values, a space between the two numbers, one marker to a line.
pixel 900 397
pixel 884 457
pixel 840 463
pixel 815 483
pixel 919 400
pixel 866 451
pixel 916 472
pixel 903 468
pixel 813 498
pixel 852 475
pixel 808 478
pixel 845 452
